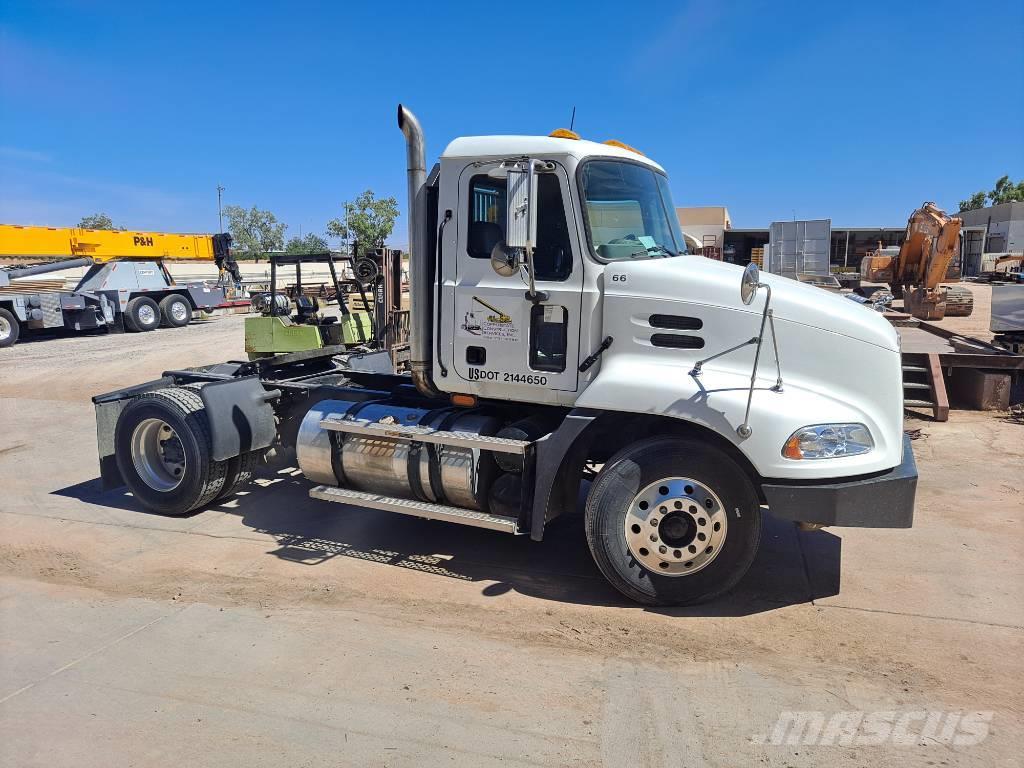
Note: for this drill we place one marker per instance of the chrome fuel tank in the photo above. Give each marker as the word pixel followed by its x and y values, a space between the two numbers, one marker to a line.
pixel 406 469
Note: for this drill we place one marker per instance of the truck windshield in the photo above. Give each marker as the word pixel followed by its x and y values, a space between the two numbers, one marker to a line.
pixel 629 211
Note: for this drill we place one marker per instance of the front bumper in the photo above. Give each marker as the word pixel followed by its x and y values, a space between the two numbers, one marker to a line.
pixel 883 500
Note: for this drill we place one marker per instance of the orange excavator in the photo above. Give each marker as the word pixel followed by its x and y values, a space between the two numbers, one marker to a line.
pixel 922 264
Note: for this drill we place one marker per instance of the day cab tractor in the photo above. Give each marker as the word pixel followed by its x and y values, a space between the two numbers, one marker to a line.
pixel 697 396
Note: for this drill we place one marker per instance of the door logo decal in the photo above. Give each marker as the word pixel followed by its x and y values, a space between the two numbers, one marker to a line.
pixel 482 319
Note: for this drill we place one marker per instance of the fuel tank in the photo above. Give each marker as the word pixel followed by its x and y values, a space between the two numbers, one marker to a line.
pixel 440 474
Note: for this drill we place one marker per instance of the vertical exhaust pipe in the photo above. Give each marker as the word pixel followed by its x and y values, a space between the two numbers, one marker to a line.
pixel 420 283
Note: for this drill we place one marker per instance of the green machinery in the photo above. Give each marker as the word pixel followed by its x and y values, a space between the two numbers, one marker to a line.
pixel 277 331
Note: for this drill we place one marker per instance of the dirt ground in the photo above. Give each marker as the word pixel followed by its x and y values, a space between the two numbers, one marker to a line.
pixel 277 630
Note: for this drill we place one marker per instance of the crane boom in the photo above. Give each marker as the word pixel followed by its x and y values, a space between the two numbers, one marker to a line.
pixel 103 245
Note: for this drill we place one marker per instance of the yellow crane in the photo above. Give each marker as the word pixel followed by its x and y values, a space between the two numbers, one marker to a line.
pixel 126 286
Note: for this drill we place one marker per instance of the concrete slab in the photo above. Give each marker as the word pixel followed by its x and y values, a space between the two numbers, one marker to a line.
pixel 274 630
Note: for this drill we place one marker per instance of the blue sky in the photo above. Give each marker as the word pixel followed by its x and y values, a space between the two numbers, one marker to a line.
pixel 856 111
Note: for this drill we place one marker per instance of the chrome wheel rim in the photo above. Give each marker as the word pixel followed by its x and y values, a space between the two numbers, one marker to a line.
pixel 5 329
pixel 158 455
pixel 676 526
pixel 179 312
pixel 146 315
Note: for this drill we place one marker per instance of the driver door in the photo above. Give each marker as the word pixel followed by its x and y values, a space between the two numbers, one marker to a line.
pixel 503 342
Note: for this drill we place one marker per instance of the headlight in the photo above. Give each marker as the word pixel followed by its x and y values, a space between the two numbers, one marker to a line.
pixel 828 441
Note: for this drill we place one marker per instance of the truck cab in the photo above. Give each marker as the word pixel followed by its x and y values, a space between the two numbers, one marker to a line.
pixel 611 268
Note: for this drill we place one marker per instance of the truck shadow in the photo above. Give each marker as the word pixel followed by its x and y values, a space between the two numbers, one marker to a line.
pixel 792 567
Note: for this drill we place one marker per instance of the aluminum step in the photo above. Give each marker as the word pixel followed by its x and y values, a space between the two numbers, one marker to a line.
pixel 425 509
pixel 919 403
pixel 916 385
pixel 424 435
pixel 914 369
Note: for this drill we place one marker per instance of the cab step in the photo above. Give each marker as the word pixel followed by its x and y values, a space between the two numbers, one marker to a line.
pixel 424 509
pixel 424 435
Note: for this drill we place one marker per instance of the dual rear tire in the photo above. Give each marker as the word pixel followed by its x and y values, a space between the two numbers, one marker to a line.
pixel 144 314
pixel 163 449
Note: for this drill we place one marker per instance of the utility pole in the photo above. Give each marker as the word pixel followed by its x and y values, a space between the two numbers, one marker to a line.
pixel 220 215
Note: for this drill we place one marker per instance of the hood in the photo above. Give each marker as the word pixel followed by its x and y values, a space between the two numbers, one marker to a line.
pixel 699 280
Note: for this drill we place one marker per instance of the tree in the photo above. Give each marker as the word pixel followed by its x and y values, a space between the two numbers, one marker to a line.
pixel 975 201
pixel 98 221
pixel 1006 191
pixel 311 243
pixel 254 231
pixel 367 220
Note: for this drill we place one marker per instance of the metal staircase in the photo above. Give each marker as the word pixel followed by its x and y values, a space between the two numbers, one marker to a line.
pixel 923 385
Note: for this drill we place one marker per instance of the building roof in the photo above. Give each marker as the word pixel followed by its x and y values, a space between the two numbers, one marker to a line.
pixel 515 146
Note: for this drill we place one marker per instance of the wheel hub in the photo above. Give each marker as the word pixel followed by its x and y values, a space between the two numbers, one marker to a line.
pixel 146 315
pixel 5 329
pixel 158 455
pixel 675 526
pixel 179 311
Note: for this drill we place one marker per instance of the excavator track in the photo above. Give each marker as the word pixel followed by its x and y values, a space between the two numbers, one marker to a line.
pixel 959 301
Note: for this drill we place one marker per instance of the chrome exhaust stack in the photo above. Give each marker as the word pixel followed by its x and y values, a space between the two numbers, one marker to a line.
pixel 420 285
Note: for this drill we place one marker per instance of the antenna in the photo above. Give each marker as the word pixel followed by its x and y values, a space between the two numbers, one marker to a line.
pixel 572 120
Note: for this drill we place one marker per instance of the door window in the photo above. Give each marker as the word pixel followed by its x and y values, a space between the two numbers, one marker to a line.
pixel 552 257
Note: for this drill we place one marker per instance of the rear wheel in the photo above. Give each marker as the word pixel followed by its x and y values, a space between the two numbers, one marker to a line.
pixel 162 444
pixel 671 521
pixel 175 311
pixel 240 472
pixel 142 314
pixel 9 329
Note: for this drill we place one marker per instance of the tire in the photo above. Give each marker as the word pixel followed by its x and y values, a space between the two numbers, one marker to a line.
pixel 175 311
pixel 240 471
pixel 703 560
pixel 142 314
pixel 162 446
pixel 10 329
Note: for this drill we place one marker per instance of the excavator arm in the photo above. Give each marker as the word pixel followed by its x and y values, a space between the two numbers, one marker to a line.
pixel 931 243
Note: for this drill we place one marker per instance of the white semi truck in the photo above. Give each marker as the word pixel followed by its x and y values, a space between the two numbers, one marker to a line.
pixel 559 333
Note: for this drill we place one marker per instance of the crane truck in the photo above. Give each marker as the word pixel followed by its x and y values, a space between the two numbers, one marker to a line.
pixel 695 396
pixel 126 286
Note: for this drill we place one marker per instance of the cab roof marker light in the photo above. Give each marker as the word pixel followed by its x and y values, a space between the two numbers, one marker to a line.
pixel 564 133
pixel 622 145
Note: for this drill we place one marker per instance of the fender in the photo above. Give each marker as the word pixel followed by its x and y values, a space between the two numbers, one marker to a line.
pixel 827 378
pixel 240 415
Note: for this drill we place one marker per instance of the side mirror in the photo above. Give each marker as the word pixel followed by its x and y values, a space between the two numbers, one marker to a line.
pixel 749 283
pixel 504 260
pixel 521 211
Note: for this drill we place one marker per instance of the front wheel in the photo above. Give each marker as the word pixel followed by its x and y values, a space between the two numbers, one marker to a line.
pixel 672 521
